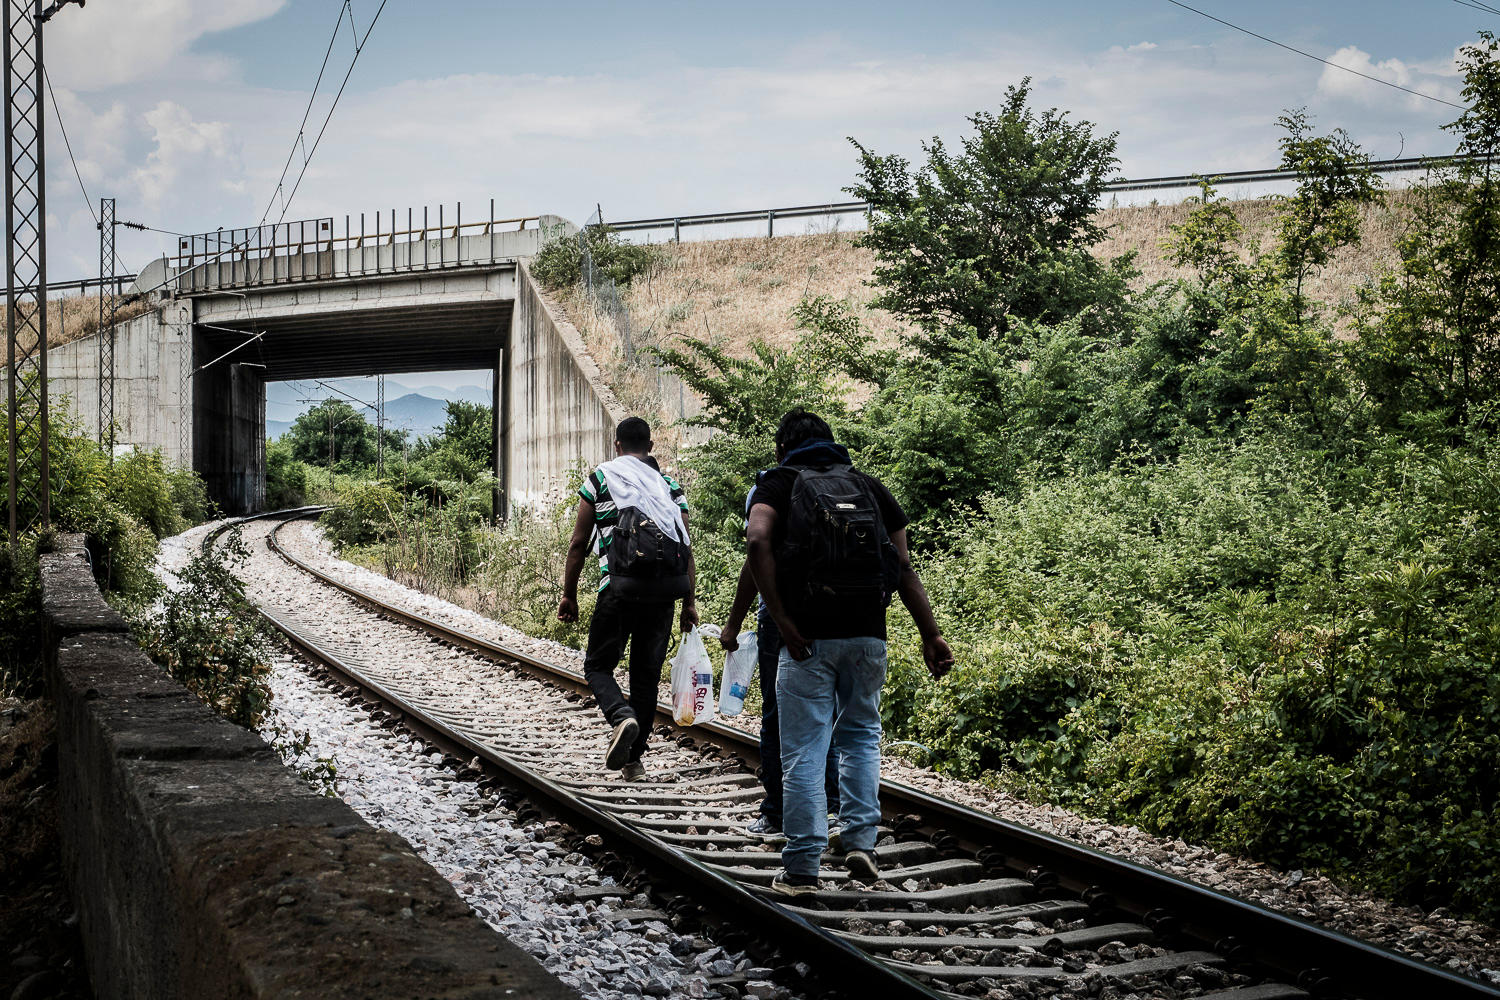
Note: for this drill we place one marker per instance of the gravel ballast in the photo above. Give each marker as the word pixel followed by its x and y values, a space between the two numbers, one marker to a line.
pixel 516 874
pixel 1463 946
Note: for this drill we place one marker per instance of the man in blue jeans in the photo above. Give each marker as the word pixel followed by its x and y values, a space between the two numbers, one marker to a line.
pixel 767 825
pixel 827 547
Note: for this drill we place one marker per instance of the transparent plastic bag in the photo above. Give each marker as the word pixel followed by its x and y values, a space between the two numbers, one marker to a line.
pixel 739 668
pixel 692 682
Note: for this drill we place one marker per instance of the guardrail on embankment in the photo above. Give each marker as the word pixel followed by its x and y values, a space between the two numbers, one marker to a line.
pixel 677 223
pixel 202 867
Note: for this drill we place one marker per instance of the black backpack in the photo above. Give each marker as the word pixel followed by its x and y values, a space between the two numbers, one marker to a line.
pixel 645 562
pixel 837 554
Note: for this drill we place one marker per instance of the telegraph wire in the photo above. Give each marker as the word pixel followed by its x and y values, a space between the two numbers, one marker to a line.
pixel 87 201
pixel 1480 6
pixel 1309 55
pixel 333 107
pixel 311 98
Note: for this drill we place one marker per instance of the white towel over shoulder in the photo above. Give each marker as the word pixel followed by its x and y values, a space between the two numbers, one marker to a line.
pixel 633 483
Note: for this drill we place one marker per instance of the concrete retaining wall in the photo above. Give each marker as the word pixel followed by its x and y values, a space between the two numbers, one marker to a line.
pixel 560 415
pixel 153 384
pixel 202 867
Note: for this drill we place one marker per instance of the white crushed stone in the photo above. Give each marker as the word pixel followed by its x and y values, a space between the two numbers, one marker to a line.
pixel 1464 946
pixel 507 870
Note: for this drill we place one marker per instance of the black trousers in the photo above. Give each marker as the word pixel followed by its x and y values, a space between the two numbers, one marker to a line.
pixel 767 660
pixel 648 627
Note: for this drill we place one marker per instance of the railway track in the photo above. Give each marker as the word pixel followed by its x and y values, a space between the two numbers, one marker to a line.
pixel 967 905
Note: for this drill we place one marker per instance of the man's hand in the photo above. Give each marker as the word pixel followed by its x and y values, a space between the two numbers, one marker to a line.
pixel 795 644
pixel 937 654
pixel 567 609
pixel 689 614
pixel 729 635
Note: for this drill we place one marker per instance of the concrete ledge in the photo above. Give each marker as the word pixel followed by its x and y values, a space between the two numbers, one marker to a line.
pixel 204 868
pixel 71 602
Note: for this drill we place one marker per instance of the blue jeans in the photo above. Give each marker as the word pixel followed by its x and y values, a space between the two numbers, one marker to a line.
pixel 832 697
pixel 768 656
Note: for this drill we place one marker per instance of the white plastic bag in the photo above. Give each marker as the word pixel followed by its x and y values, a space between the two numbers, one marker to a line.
pixel 739 668
pixel 692 682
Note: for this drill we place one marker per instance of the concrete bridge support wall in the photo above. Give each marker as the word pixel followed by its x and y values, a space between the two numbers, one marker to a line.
pixel 153 387
pixel 229 422
pixel 561 416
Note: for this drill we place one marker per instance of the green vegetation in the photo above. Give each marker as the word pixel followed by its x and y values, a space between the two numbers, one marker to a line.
pixel 1215 559
pixel 124 507
pixel 559 263
pixel 205 631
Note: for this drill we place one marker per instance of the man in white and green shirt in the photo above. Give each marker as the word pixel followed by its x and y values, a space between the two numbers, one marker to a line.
pixel 632 480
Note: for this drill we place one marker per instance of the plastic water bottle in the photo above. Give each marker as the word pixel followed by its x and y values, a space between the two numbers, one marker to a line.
pixel 739 667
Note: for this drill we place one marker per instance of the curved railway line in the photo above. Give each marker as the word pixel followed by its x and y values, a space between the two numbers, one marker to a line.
pixel 968 904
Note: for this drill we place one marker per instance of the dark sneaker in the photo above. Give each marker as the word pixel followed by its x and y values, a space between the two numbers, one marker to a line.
pixel 835 839
pixel 794 885
pixel 765 830
pixel 862 865
pixel 620 743
pixel 634 771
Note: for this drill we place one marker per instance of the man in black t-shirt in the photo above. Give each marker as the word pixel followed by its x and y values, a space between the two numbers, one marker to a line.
pixel 833 662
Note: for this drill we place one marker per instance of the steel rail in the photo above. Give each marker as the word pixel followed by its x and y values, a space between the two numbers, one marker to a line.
pixel 837 960
pixel 1292 947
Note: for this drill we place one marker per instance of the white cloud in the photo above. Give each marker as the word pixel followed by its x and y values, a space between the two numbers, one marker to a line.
pixel 111 43
pixel 1141 47
pixel 684 138
pixel 1337 83
pixel 182 145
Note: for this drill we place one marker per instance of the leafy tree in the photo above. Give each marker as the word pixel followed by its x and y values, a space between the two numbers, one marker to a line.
pixel 464 449
pixel 353 438
pixel 1430 333
pixel 999 232
pixel 286 478
pixel 743 400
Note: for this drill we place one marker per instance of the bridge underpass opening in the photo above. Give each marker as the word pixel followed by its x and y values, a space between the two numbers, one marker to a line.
pixel 234 363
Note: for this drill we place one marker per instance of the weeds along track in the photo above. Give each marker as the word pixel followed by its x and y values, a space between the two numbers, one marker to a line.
pixel 967 904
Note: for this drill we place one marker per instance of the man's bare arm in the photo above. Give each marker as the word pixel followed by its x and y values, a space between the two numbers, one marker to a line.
pixel 744 593
pixel 690 603
pixel 578 550
pixel 935 649
pixel 762 559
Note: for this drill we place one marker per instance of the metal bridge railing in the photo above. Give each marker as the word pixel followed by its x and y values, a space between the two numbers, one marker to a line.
pixel 312 249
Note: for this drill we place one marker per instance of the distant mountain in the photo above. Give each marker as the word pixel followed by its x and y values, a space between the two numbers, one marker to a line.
pixel 420 411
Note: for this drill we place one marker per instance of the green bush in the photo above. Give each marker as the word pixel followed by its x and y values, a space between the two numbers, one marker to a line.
pixel 1255 647
pixel 20 619
pixel 286 477
pixel 559 263
pixel 205 632
pixel 366 511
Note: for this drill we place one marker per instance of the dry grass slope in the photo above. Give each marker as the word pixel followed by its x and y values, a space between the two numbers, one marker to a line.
pixel 73 317
pixel 733 292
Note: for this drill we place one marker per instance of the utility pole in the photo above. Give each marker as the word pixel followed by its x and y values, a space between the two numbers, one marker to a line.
pixel 26 263
pixel 380 426
pixel 107 306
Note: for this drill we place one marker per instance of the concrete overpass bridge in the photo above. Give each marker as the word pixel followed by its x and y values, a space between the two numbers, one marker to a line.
pixel 240 308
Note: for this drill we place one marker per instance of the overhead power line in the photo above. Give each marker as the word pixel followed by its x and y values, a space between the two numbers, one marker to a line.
pixel 1309 55
pixel 301 131
pixel 83 189
pixel 1478 5
pixel 307 161
pixel 306 112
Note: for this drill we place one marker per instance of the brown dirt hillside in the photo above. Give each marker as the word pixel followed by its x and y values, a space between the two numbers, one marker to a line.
pixel 731 292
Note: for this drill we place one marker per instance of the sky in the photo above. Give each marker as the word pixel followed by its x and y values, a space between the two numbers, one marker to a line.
pixel 186 111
